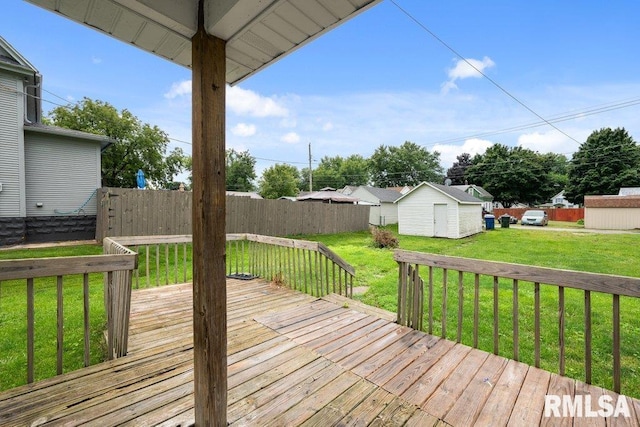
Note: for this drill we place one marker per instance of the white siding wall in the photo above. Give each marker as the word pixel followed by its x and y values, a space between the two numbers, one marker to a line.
pixel 390 213
pixel 612 218
pixel 470 220
pixel 374 215
pixel 61 174
pixel 415 212
pixel 12 203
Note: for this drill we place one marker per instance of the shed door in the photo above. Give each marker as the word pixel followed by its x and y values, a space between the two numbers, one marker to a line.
pixel 439 220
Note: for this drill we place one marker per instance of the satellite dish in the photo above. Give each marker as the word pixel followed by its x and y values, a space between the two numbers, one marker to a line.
pixel 447 182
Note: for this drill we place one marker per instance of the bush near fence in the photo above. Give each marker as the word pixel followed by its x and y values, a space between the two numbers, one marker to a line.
pixel 555 214
pixel 131 212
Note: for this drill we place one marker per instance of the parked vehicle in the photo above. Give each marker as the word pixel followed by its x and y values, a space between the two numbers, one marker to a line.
pixel 512 219
pixel 535 217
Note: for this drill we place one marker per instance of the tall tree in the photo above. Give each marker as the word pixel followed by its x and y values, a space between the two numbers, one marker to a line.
pixel 513 175
pixel 456 173
pixel 136 145
pixel 279 180
pixel 336 172
pixel 240 170
pixel 408 164
pixel 607 160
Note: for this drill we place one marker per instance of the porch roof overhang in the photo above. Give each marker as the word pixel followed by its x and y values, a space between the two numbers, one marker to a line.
pixel 257 32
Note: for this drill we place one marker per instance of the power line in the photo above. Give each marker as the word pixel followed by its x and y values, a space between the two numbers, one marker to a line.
pixel 455 52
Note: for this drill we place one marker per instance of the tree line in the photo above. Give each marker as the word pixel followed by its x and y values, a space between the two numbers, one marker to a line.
pixel 607 160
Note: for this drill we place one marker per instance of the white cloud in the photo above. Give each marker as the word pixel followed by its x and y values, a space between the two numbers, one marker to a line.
pixel 244 129
pixel 245 102
pixel 179 89
pixel 549 142
pixel 449 153
pixel 96 60
pixel 465 69
pixel 327 126
pixel 290 138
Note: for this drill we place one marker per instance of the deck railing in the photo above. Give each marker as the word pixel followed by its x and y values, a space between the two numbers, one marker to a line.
pixel 469 296
pixel 58 269
pixel 299 264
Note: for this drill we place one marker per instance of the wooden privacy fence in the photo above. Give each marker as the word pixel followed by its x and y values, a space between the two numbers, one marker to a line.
pixel 59 268
pixel 303 265
pixel 554 214
pixel 535 291
pixel 130 212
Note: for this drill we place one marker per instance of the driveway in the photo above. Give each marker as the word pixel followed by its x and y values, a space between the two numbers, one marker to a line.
pixel 572 229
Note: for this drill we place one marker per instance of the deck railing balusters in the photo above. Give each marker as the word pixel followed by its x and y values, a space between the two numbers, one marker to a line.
pixel 495 272
pixel 516 323
pixel 587 337
pixel 60 324
pixel 561 319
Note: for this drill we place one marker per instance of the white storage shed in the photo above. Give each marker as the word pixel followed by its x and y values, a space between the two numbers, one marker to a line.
pixel 435 210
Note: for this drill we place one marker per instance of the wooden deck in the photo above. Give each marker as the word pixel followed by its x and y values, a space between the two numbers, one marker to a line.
pixel 294 359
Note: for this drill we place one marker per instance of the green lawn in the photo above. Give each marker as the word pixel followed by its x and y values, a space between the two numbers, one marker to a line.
pixel 375 268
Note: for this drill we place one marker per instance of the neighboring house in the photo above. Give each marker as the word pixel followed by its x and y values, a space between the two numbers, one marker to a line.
pixel 479 193
pixel 435 210
pixel 403 190
pixel 383 210
pixel 49 176
pixel 348 189
pixel 558 201
pixel 327 197
pixel 251 195
pixel 629 191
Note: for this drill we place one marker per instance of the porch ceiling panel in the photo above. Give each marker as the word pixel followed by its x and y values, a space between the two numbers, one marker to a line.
pixel 258 32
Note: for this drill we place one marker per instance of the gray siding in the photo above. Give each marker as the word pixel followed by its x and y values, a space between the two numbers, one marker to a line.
pixel 11 147
pixel 61 174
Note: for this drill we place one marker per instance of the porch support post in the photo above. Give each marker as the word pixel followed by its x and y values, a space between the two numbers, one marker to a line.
pixel 208 227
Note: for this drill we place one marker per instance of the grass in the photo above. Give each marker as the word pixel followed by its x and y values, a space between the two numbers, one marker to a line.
pixel 599 253
pixel 375 268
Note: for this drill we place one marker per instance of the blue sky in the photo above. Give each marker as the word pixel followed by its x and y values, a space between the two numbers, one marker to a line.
pixel 381 78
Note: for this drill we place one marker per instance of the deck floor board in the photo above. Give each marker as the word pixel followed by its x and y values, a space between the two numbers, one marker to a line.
pixel 295 359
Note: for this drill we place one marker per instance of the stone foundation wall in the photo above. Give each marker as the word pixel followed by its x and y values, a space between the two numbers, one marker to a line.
pixel 12 231
pixel 60 228
pixel 39 229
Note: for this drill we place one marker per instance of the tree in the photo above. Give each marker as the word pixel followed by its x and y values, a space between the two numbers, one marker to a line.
pixel 513 175
pixel 408 164
pixel 336 172
pixel 456 173
pixel 240 170
pixel 136 145
pixel 607 160
pixel 279 180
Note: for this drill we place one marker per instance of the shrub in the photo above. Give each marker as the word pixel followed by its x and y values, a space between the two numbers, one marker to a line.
pixel 384 238
pixel 581 221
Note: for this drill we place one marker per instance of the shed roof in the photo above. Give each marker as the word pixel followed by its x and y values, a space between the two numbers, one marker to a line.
pixel 454 193
pixel 258 33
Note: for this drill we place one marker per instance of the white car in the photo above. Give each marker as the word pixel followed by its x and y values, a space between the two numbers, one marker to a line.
pixel 535 217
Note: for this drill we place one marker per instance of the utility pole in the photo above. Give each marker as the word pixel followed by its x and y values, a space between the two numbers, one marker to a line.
pixel 310 171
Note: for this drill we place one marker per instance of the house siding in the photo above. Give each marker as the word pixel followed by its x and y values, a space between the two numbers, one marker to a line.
pixel 49 158
pixel 387 212
pixel 470 220
pixel 12 203
pixel 416 214
pixel 610 218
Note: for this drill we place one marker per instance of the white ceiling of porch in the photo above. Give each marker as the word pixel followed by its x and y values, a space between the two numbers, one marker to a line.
pixel 258 32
